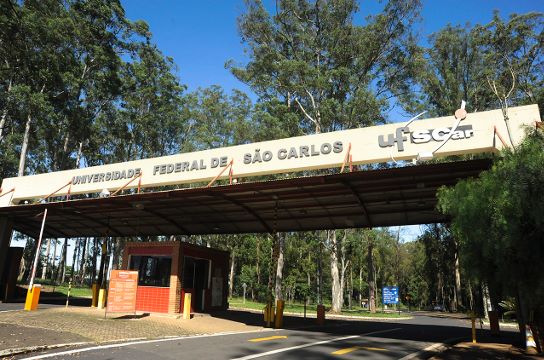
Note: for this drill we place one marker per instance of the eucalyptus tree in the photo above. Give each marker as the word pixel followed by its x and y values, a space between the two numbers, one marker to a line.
pixel 514 57
pixel 34 54
pixel 489 66
pixel 99 35
pixel 310 60
pixel 152 118
pixel 440 266
pixel 218 119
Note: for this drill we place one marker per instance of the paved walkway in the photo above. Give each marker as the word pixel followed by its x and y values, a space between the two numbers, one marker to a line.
pixel 23 329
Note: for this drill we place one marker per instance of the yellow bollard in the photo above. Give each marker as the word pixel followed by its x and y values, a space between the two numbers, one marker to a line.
pixel 187 306
pixel 33 297
pixel 101 298
pixel 473 330
pixel 279 314
pixel 94 301
pixel 530 344
pixel 269 314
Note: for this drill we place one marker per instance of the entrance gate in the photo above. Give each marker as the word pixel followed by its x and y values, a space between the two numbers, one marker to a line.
pixel 379 197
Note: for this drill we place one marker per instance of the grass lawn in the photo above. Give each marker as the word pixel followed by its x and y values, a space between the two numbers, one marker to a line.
pixel 62 290
pixel 311 309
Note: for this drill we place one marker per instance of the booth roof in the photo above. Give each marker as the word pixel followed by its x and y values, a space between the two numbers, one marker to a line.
pixel 372 198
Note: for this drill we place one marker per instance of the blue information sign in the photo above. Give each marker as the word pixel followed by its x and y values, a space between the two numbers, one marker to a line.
pixel 390 294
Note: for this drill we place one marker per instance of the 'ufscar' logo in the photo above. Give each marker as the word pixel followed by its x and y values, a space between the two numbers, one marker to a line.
pixel 424 136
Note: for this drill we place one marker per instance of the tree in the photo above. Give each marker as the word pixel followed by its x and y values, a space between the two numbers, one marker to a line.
pixel 488 66
pixel 218 119
pixel 440 265
pixel 498 221
pixel 310 60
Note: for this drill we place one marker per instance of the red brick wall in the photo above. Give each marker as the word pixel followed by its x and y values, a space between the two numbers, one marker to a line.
pixel 152 299
pixel 170 300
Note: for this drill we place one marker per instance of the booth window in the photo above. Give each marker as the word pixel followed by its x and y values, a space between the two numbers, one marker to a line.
pixel 152 270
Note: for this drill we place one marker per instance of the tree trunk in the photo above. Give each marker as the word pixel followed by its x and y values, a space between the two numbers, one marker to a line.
pixel 458 294
pixel 438 298
pixel 83 263
pixel 79 152
pixel 22 269
pixel 62 264
pixel 46 262
pixel 336 291
pixel 118 250
pixel 54 258
pixel 106 264
pixel 487 300
pixel 319 275
pixel 360 285
pixel 344 265
pixel 4 116
pixel 231 274
pixel 371 278
pixel 103 256
pixel 77 264
pixel 350 286
pixel 257 268
pixel 72 273
pixel 522 313
pixel 95 258
pixel 24 146
pixel 470 297
pixel 279 266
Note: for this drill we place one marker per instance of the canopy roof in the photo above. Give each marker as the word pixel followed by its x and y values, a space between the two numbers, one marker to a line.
pixel 385 197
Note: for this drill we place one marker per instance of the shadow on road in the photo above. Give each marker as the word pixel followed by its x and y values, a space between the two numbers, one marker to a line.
pixel 422 328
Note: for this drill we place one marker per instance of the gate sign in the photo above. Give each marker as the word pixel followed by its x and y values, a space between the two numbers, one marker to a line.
pixel 421 139
pixel 122 291
pixel 390 294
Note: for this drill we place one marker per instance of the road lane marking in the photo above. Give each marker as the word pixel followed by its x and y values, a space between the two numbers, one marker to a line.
pixel 268 338
pixel 272 352
pixel 355 348
pixel 345 351
pixel 119 345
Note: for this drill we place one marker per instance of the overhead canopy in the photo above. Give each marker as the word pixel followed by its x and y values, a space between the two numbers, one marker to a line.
pixel 386 197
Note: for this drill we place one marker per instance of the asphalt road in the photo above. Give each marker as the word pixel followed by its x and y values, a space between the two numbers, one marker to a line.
pixel 338 340
pixel 20 305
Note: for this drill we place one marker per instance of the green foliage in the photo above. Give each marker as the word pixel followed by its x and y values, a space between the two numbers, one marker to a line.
pixel 309 59
pixel 498 220
pixel 439 264
pixel 480 65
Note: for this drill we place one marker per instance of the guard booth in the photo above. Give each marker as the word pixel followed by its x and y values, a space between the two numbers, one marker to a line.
pixel 168 270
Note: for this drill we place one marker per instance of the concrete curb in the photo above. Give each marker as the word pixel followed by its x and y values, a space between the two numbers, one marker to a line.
pixel 501 324
pixel 24 350
pixel 330 316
